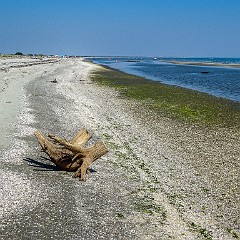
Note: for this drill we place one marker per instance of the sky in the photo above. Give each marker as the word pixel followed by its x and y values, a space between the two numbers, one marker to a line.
pixel 157 28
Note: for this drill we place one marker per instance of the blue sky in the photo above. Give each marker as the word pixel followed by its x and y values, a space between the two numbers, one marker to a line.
pixel 179 28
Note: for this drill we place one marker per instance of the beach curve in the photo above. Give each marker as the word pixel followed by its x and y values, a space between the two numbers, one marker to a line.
pixel 150 186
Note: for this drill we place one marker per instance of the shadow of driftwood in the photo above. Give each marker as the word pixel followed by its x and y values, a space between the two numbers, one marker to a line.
pixel 40 165
pixel 45 166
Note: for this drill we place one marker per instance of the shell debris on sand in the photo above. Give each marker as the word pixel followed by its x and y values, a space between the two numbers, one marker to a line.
pixel 157 182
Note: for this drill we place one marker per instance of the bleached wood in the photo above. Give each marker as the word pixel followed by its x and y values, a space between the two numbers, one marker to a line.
pixel 72 155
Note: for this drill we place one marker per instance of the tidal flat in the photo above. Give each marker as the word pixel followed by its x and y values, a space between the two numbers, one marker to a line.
pixel 172 101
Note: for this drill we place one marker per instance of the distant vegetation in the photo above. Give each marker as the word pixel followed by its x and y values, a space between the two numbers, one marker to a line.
pixel 18 53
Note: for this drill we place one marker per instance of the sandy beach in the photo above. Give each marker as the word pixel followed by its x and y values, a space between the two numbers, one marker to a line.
pixel 162 179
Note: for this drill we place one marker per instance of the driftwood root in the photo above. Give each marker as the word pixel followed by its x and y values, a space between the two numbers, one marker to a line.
pixel 71 155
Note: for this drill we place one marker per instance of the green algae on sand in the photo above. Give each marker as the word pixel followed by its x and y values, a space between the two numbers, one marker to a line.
pixel 172 101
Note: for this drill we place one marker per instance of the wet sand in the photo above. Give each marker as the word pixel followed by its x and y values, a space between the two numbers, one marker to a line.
pixel 161 179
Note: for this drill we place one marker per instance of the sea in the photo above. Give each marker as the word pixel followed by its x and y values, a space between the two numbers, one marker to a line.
pixel 220 81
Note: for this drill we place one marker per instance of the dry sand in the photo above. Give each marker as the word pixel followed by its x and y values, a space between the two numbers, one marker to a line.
pixel 160 180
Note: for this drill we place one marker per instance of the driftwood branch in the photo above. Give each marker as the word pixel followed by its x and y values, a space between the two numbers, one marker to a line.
pixel 71 155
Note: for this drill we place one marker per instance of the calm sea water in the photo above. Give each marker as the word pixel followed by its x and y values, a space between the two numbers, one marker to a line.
pixel 220 81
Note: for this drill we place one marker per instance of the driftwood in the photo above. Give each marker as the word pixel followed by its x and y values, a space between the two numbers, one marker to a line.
pixel 71 155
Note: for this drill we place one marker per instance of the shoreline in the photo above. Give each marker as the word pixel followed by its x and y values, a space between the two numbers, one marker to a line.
pixel 197 89
pixel 162 177
pixel 184 106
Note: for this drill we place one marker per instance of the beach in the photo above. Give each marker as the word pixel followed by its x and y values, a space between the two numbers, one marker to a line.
pixel 162 179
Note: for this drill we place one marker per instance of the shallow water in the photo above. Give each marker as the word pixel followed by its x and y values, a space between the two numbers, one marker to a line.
pixel 218 81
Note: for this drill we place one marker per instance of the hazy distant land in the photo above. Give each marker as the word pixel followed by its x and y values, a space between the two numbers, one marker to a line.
pixel 208 64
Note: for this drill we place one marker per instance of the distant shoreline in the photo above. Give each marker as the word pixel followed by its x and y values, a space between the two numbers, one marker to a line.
pixel 206 64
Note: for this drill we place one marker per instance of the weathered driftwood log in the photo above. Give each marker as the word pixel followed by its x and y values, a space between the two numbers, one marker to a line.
pixel 71 155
